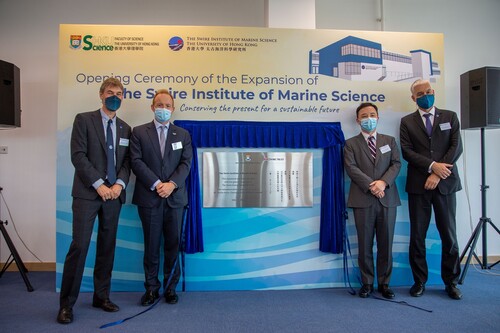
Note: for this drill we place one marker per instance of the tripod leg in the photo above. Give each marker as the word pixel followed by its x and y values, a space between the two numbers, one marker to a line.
pixel 17 258
pixel 494 226
pixel 498 232
pixel 473 240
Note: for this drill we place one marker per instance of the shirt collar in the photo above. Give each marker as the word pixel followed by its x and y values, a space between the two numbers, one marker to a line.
pixel 366 135
pixel 431 111
pixel 105 117
pixel 158 124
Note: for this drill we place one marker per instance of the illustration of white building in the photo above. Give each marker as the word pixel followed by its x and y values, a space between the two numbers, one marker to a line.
pixel 357 59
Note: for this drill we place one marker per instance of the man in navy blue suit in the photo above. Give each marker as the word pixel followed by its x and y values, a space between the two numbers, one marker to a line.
pixel 430 142
pixel 100 155
pixel 161 157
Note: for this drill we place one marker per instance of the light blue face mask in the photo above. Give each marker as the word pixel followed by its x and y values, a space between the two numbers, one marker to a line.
pixel 368 124
pixel 162 115
pixel 112 103
pixel 425 102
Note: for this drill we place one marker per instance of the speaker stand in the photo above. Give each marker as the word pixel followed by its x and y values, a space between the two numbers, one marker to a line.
pixel 481 226
pixel 14 256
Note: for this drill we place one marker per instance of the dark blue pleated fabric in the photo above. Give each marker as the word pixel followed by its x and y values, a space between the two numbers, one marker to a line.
pixel 243 134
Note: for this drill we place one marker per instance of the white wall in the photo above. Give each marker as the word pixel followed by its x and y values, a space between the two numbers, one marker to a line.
pixel 29 39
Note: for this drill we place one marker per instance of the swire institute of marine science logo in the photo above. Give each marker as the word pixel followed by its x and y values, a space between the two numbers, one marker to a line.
pixel 175 43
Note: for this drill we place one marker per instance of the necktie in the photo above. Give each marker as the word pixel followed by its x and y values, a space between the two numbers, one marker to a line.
pixel 110 154
pixel 162 140
pixel 428 124
pixel 372 147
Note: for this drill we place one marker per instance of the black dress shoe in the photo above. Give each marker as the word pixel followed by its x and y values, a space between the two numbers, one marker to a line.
pixel 417 289
pixel 65 315
pixel 171 297
pixel 386 291
pixel 105 304
pixel 149 297
pixel 365 290
pixel 453 291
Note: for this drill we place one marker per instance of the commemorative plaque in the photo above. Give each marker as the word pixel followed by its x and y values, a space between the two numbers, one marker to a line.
pixel 257 179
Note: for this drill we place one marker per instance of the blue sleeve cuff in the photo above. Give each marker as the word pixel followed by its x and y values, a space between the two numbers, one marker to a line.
pixel 98 183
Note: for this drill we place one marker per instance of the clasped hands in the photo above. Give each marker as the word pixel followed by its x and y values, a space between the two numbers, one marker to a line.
pixel 165 189
pixel 377 188
pixel 439 171
pixel 109 193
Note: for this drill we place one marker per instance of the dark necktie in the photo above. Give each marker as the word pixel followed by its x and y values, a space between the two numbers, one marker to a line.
pixel 372 146
pixel 162 140
pixel 428 124
pixel 110 154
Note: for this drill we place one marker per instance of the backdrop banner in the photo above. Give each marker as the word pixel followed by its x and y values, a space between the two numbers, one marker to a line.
pixel 289 78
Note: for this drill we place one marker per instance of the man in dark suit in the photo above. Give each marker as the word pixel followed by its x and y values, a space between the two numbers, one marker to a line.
pixel 430 142
pixel 372 162
pixel 161 155
pixel 100 155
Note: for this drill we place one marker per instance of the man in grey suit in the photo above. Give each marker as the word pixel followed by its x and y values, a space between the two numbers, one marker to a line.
pixel 430 142
pixel 100 155
pixel 372 162
pixel 161 155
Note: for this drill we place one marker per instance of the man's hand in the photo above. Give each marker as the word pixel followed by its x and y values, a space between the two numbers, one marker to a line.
pixel 377 188
pixel 165 189
pixel 442 170
pixel 116 190
pixel 432 181
pixel 105 192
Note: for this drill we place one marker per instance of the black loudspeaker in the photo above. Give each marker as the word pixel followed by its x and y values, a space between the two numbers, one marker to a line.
pixel 10 95
pixel 480 98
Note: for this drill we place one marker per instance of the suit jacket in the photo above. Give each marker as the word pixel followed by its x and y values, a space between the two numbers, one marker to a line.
pixel 363 170
pixel 88 154
pixel 419 150
pixel 149 166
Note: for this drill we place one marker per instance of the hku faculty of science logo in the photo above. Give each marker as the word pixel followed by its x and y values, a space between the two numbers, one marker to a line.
pixel 91 43
pixel 175 43
pixel 75 41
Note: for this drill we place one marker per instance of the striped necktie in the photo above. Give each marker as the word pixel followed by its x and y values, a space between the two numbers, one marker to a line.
pixel 372 146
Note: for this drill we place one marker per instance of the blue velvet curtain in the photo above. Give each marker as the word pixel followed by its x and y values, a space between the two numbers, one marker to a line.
pixel 242 134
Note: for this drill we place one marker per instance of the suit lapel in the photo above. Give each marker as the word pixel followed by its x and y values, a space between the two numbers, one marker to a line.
pixel 153 137
pixel 420 122
pixel 119 135
pixel 98 126
pixel 437 119
pixel 378 143
pixel 364 146
pixel 171 138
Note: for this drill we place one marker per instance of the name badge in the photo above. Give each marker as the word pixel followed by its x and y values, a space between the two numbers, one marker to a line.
pixel 445 126
pixel 385 149
pixel 123 142
pixel 176 145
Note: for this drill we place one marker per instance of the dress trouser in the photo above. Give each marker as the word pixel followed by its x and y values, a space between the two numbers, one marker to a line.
pixel 420 207
pixel 84 215
pixel 158 221
pixel 378 221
